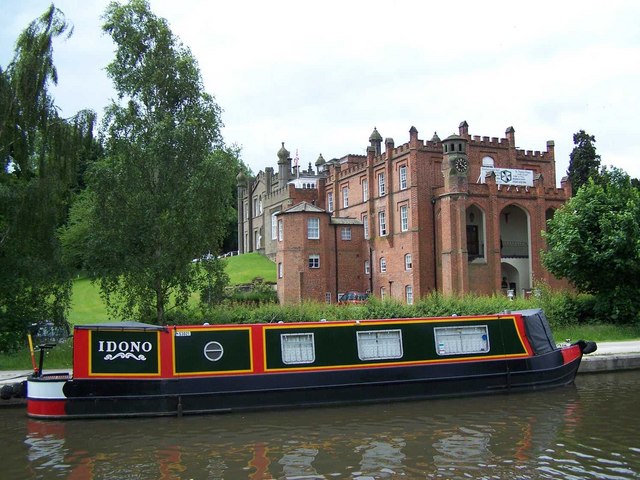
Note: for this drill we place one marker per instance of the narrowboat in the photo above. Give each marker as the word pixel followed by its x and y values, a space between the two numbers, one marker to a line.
pixel 136 369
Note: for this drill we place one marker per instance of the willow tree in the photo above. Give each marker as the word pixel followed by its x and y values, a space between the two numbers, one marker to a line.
pixel 161 195
pixel 42 157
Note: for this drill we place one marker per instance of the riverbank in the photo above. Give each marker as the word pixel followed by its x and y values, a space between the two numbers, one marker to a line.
pixel 612 356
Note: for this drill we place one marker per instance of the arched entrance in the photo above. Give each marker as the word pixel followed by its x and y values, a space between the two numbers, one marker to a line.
pixel 510 278
pixel 515 248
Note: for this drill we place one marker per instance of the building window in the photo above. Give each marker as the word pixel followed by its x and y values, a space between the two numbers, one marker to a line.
pixel 280 230
pixel 345 197
pixel 487 162
pixel 365 223
pixel 408 263
pixel 404 218
pixel 274 225
pixel 345 233
pixel 403 177
pixel 330 201
pixel 367 267
pixel 382 189
pixel 473 241
pixel 408 293
pixel 314 261
pixel 462 339
pixel 365 190
pixel 379 344
pixel 382 292
pixel 327 297
pixel 313 228
pixel 382 222
pixel 297 348
pixel 280 270
pixel 257 238
pixel 260 206
pixel 246 210
pixel 255 207
pixel 383 265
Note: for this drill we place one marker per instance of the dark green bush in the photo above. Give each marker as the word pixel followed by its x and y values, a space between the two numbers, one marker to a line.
pixel 563 309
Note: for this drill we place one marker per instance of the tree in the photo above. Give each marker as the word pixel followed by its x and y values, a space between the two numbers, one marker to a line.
pixel 584 162
pixel 594 241
pixel 161 195
pixel 42 156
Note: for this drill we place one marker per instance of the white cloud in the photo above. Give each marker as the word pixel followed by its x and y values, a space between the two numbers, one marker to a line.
pixel 321 76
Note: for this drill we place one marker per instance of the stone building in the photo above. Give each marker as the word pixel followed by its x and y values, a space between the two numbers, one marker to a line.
pixel 268 193
pixel 458 215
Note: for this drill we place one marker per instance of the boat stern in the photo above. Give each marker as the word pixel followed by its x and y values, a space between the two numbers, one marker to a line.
pixel 45 395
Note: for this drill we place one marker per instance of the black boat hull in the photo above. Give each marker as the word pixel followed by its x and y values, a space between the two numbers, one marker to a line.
pixel 99 398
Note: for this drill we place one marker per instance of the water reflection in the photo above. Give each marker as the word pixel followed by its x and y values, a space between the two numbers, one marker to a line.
pixel 588 431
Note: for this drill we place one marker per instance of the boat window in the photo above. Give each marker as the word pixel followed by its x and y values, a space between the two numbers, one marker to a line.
pixel 297 348
pixel 462 340
pixel 379 344
pixel 213 351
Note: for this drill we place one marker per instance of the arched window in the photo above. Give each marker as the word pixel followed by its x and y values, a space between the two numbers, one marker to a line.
pixel 408 293
pixel 408 262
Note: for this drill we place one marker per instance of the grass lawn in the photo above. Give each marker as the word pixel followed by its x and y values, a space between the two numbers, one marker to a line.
pixel 86 304
pixel 603 332
pixel 244 268
pixel 88 307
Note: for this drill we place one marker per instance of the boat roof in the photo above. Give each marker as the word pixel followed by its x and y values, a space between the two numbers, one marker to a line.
pixel 120 326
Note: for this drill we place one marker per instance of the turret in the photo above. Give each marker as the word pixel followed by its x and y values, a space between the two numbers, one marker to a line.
pixel 320 164
pixel 375 139
pixel 284 165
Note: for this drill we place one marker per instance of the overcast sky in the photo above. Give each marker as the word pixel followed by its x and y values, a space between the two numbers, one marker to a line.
pixel 320 75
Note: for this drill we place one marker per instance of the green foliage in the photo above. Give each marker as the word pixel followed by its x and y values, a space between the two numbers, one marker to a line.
pixel 42 159
pixel 594 241
pixel 161 196
pixel 256 293
pixel 566 308
pixel 584 161
pixel 212 282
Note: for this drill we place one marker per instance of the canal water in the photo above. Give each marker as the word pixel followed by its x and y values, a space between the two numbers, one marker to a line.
pixel 587 431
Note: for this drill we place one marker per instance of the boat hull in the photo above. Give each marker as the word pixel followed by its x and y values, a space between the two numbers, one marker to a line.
pixel 59 397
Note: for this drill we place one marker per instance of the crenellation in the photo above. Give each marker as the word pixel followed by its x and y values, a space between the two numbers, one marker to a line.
pixel 401 149
pixel 353 169
pixel 492 142
pixel 530 155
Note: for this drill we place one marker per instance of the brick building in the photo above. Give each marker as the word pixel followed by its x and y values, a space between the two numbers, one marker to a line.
pixel 458 215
